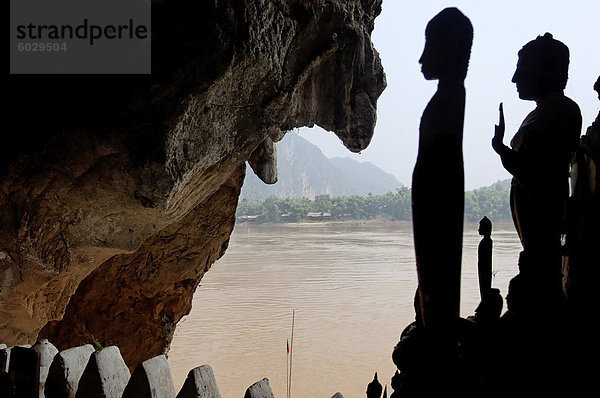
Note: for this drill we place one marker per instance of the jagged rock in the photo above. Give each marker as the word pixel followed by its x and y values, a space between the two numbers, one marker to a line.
pixel 47 353
pixel 151 379
pixel 4 357
pixel 24 371
pixel 120 193
pixel 66 370
pixel 105 375
pixel 7 390
pixel 6 387
pixel 260 389
pixel 200 383
pixel 264 161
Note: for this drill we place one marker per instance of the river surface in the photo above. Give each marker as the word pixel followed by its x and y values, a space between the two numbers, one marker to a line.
pixel 352 288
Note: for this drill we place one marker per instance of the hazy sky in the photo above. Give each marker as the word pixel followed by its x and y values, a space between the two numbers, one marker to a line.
pixel 501 29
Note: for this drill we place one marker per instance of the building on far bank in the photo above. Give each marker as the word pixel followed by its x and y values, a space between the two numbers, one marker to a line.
pixel 322 216
pixel 255 218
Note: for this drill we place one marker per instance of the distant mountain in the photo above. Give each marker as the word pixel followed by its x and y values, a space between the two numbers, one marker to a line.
pixel 366 176
pixel 303 171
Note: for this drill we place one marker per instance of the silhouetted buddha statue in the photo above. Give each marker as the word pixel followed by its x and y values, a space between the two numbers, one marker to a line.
pixel 539 158
pixel 374 388
pixel 583 233
pixel 484 257
pixel 591 148
pixel 438 177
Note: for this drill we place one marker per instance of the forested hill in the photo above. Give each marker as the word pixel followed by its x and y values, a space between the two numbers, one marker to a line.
pixel 492 201
pixel 304 172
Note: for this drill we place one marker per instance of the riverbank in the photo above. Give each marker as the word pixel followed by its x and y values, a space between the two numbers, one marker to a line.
pixel 374 222
pixel 332 222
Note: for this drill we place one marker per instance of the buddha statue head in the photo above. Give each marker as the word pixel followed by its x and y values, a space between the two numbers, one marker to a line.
pixel 542 69
pixel 448 41
pixel 485 227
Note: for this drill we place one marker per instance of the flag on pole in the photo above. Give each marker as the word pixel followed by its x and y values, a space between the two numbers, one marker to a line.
pixel 288 346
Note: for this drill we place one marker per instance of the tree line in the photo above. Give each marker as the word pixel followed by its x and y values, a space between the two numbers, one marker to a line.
pixel 492 202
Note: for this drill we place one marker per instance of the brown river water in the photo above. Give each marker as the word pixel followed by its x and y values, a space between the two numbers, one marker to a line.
pixel 352 287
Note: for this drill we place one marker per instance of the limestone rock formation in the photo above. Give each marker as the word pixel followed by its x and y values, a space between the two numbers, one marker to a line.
pixel 117 193
pixel 200 383
pixel 66 370
pixel 152 378
pixel 105 375
pixel 260 389
pixel 46 351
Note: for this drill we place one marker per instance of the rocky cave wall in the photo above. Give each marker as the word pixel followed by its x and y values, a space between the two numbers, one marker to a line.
pixel 117 193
